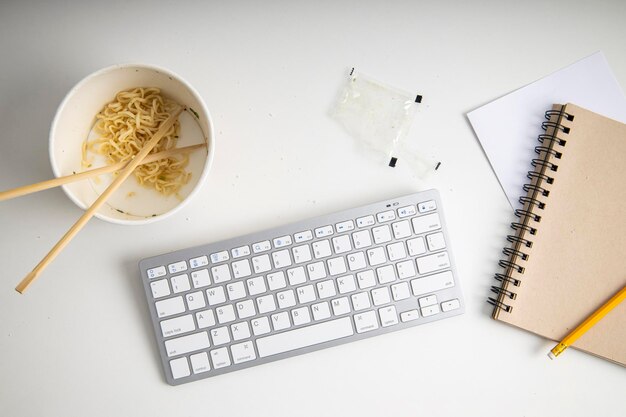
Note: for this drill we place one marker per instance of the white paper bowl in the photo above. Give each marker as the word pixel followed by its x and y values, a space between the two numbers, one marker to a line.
pixel 75 117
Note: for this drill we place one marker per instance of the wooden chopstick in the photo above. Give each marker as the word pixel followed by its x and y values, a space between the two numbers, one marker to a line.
pixel 165 126
pixel 44 185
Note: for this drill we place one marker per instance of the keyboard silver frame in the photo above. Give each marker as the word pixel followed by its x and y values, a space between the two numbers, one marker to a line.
pixel 290 229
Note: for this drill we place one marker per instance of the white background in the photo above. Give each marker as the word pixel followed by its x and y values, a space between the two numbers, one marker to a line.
pixel 80 342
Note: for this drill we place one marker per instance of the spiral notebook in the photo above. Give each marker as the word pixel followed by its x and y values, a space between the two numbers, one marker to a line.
pixel 567 254
pixel 507 127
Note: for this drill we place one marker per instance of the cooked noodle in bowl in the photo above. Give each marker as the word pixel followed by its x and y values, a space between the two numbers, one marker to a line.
pixel 126 124
pixel 108 117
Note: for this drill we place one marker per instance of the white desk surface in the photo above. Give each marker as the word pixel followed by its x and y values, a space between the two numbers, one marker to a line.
pixel 80 342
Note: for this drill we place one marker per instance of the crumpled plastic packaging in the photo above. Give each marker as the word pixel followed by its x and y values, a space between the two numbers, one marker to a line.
pixel 379 116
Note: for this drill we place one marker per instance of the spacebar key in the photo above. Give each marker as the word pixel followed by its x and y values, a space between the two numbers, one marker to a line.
pixel 306 336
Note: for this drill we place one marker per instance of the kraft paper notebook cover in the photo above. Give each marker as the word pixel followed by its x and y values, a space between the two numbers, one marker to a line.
pixel 567 254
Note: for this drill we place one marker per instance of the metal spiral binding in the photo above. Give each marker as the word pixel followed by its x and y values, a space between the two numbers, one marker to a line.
pixel 528 215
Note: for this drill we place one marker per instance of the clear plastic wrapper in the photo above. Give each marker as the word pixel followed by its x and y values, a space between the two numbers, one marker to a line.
pixel 379 117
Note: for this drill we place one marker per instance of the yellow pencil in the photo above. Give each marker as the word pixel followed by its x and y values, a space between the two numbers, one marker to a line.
pixel 588 323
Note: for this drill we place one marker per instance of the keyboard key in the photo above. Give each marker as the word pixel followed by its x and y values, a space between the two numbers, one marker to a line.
pixel 362 239
pixel 396 251
pixel 401 229
pixel 381 296
pixel 300 316
pixel 221 273
pixel 241 269
pixel 256 285
pixel 427 206
pixel 306 294
pixel 220 336
pixel 305 336
pixel 386 274
pixel 236 291
pixel 324 231
pixel 261 264
pixel 427 301
pixel 216 295
pixel 406 269
pixel 406 211
pixel 261 246
pixel 199 262
pixel 366 279
pixel 388 316
pixel 344 226
pixel 281 258
pixel 435 241
pixel 201 278
pixel 427 223
pixel 340 306
pixel 346 284
pixel 245 309
pixel 376 256
pixel 225 314
pixel 450 305
pixel 195 300
pixel 431 263
pixel 220 358
pixel 303 236
pixel 169 307
pixel 286 299
pixel 316 270
pixel 180 283
pixel 160 288
pixel 260 326
pixel 205 319
pixel 240 330
pixel 186 344
pixel 177 267
pixel 400 291
pixel 356 261
pixel 276 280
pixel 296 276
pixel 301 254
pixel 180 368
pixel 366 322
pixel 430 311
pixel 386 216
pixel 409 316
pixel 178 325
pixel 365 221
pixel 282 241
pixel 342 244
pixel 240 252
pixel 157 272
pixel 280 321
pixel 200 363
pixel 322 249
pixel 266 304
pixel 432 283
pixel 243 352
pixel 326 289
pixel 321 311
pixel 360 301
pixel 336 266
pixel 416 246
pixel 382 234
pixel 218 257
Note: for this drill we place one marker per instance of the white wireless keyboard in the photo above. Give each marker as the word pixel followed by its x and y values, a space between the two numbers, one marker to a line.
pixel 334 279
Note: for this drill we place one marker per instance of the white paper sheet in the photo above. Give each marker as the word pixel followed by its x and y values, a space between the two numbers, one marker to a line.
pixel 508 127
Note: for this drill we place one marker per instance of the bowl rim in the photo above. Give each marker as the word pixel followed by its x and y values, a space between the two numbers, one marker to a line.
pixel 210 144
